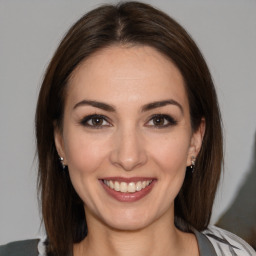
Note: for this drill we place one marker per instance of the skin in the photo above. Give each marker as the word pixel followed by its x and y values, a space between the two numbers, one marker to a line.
pixel 129 143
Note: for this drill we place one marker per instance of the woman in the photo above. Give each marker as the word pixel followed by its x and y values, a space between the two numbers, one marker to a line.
pixel 129 141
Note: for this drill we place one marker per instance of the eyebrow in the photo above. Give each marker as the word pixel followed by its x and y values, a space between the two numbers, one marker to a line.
pixel 163 103
pixel 110 108
pixel 95 104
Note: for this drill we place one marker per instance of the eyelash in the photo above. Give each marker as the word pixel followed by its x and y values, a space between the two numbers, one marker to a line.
pixel 86 119
pixel 170 121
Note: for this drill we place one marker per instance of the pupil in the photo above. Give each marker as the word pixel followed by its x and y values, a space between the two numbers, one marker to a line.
pixel 97 121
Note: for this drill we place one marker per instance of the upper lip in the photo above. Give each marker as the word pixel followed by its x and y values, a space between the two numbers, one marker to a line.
pixel 128 180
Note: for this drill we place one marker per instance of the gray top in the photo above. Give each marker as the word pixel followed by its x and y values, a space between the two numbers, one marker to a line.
pixel 205 246
pixel 211 242
pixel 20 248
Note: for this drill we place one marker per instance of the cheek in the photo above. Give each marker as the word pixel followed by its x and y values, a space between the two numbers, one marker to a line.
pixel 173 151
pixel 85 157
pixel 84 153
pixel 172 154
pixel 172 159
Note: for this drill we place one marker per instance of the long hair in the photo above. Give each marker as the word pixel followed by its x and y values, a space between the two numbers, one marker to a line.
pixel 129 23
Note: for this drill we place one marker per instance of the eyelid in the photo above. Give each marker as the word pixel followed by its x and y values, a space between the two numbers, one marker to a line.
pixel 87 118
pixel 171 121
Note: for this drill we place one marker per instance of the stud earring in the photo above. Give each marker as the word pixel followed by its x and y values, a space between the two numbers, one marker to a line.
pixel 193 162
pixel 62 163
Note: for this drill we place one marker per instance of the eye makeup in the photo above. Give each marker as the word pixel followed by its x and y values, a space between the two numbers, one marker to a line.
pixel 95 121
pixel 161 121
pixel 158 121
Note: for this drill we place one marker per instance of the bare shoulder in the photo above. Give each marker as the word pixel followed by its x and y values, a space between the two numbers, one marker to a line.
pixel 227 243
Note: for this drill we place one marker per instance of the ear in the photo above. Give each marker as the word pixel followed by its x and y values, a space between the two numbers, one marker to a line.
pixel 196 141
pixel 59 144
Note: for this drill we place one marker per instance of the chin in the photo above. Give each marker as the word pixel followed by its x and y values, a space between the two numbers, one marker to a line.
pixel 128 225
pixel 128 220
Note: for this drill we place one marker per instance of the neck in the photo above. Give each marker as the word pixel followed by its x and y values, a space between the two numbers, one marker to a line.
pixel 159 238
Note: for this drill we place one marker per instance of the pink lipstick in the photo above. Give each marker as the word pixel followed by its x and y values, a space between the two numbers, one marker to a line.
pixel 128 189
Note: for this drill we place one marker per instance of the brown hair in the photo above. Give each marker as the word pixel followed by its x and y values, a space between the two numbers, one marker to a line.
pixel 125 24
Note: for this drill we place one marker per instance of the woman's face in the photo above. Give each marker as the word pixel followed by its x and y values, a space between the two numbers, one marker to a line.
pixel 127 137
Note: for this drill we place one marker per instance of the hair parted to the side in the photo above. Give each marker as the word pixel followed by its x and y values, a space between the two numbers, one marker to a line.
pixel 129 23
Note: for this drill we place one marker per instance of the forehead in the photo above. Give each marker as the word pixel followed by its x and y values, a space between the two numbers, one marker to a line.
pixel 130 74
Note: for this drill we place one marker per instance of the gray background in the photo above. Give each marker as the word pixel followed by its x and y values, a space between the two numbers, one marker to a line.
pixel 29 33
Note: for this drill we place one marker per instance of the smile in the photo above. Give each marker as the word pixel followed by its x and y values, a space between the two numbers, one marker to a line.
pixel 127 187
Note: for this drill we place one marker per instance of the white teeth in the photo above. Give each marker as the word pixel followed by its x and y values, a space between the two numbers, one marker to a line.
pixel 111 184
pixel 116 186
pixel 131 187
pixel 138 186
pixel 125 187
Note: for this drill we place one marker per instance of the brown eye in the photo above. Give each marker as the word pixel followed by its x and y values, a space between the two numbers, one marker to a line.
pixel 95 121
pixel 158 120
pixel 161 121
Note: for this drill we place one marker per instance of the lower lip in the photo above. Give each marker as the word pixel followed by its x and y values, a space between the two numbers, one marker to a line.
pixel 128 197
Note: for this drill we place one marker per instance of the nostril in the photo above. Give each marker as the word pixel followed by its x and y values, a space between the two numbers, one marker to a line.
pixel 128 150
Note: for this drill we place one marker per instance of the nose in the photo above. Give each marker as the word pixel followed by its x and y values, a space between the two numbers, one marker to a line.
pixel 128 151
